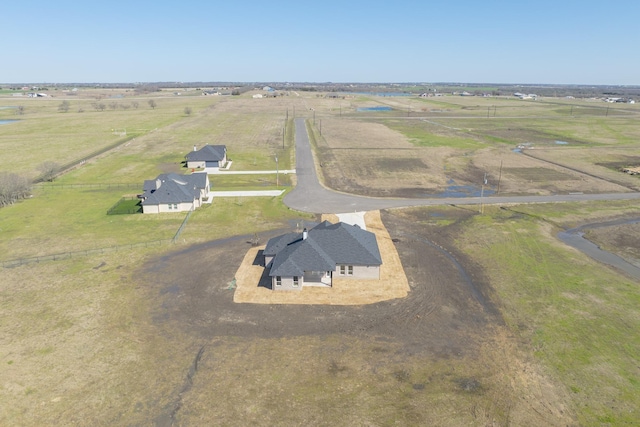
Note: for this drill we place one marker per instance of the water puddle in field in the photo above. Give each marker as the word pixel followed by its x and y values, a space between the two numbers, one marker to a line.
pixel 562 143
pixel 6 122
pixel 454 190
pixel 375 108
pixel 575 238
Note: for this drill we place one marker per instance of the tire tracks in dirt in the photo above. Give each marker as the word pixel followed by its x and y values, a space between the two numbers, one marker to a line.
pixel 168 417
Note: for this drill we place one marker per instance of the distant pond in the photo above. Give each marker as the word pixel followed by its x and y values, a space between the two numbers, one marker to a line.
pixel 6 122
pixel 379 108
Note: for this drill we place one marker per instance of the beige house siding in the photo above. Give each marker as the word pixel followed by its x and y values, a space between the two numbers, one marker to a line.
pixel 359 271
pixel 286 283
pixel 196 164
pixel 164 208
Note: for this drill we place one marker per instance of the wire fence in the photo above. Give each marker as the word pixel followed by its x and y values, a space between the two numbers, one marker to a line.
pixel 107 186
pixel 184 223
pixel 64 168
pixel 68 255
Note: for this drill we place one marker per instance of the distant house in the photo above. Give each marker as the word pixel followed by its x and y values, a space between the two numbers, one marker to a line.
pixel 174 193
pixel 314 257
pixel 209 157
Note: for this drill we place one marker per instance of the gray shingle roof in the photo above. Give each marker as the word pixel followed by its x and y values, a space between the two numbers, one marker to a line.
pixel 326 246
pixel 208 153
pixel 173 188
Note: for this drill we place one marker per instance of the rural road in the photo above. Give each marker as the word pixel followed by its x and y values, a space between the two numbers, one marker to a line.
pixel 310 196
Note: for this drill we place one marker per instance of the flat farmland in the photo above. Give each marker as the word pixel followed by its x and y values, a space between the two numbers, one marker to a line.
pixel 69 215
pixel 453 142
pixel 503 324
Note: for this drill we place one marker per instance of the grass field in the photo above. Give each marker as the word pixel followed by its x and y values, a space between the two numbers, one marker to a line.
pixel 93 339
pixel 579 318
pixel 461 139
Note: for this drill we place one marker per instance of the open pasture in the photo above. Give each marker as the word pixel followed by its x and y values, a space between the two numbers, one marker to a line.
pixel 43 133
pixel 519 330
pixel 70 217
pixel 468 139
pixel 579 318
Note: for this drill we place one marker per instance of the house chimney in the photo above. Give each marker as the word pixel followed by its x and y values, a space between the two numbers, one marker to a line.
pixel 304 234
pixel 195 148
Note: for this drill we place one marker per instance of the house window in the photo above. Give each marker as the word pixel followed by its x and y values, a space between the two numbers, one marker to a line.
pixel 278 281
pixel 170 206
pixel 350 270
pixel 343 269
pixel 296 281
pixel 175 206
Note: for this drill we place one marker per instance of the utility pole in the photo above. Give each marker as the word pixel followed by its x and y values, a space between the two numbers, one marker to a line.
pixel 484 182
pixel 499 177
pixel 277 182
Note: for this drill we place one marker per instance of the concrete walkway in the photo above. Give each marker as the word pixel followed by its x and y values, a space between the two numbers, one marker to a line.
pixel 355 218
pixel 245 193
pixel 273 172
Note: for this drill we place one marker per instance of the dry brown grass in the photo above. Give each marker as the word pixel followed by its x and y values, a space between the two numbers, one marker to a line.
pixel 392 283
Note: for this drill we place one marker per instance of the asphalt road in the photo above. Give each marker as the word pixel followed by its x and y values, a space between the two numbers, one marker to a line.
pixel 310 196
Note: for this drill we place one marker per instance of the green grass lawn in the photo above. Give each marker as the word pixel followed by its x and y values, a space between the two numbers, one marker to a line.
pixel 70 219
pixel 580 319
pixel 222 182
pixel 44 133
pixel 229 216
pixel 82 337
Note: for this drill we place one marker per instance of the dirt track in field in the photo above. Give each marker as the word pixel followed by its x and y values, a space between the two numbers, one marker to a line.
pixel 447 319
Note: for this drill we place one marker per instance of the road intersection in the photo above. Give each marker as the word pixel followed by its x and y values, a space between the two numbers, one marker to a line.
pixel 310 196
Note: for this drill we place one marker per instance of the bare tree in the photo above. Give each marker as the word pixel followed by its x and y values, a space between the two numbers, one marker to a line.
pixel 20 110
pixel 12 188
pixel 152 104
pixel 187 111
pixel 135 104
pixel 49 170
pixel 64 106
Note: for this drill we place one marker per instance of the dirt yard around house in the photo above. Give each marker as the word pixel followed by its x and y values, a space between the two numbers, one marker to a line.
pixel 253 284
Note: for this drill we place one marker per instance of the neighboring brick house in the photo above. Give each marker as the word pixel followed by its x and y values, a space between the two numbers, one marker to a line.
pixel 171 192
pixel 313 257
pixel 209 157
